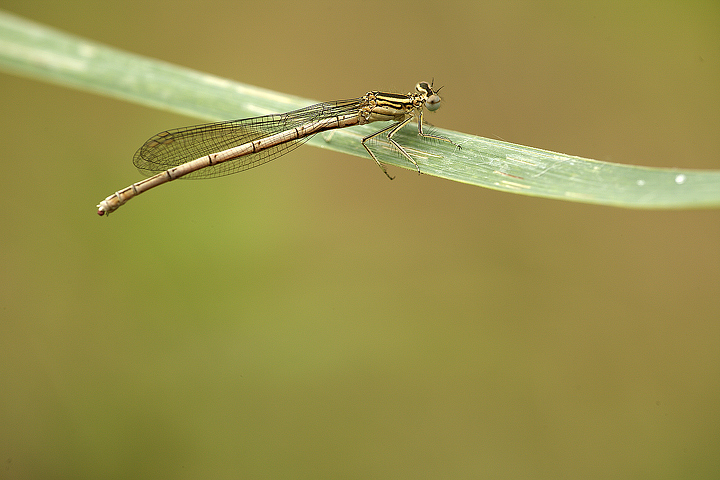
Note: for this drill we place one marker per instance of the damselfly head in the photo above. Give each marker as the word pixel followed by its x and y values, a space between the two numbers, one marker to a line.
pixel 432 99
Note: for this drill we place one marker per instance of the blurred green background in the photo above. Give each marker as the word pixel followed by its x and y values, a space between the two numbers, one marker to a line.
pixel 311 319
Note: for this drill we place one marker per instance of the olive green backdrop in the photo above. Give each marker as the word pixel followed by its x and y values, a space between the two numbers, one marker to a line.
pixel 311 319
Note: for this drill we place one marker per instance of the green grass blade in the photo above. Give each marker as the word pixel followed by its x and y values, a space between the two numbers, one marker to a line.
pixel 46 54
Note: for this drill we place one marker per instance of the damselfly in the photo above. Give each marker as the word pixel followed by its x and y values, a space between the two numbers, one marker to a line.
pixel 223 148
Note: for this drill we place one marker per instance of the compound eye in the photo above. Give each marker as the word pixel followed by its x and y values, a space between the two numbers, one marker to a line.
pixel 423 87
pixel 433 102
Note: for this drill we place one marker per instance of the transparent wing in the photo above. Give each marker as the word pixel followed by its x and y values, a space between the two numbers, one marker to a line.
pixel 174 147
